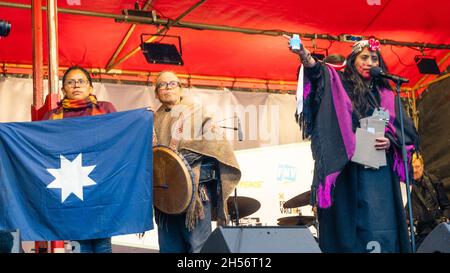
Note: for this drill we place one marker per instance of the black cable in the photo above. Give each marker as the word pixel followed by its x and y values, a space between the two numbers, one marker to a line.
pixel 399 60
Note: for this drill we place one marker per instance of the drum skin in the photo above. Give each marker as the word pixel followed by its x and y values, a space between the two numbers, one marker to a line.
pixel 172 181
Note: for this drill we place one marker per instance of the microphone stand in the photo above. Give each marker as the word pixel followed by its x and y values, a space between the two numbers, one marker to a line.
pixel 405 163
pixel 235 190
pixel 236 207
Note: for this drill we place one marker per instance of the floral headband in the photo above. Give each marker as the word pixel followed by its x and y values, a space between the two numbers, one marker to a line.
pixel 373 45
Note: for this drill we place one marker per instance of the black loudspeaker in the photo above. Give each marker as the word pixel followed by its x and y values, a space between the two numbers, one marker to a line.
pixel 259 239
pixel 427 64
pixel 437 241
pixel 158 53
pixel 6 241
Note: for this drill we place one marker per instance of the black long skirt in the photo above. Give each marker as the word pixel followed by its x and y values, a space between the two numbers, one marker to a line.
pixel 367 214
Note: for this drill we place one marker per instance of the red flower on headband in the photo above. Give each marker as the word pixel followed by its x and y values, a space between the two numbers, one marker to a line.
pixel 374 44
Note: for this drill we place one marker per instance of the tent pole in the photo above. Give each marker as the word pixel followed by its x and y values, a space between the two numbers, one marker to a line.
pixel 146 74
pixel 38 77
pixel 431 82
pixel 131 53
pixel 121 45
pixel 200 77
pixel 52 30
pixel 415 115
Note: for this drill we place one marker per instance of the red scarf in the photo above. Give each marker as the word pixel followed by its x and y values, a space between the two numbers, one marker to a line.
pixel 88 102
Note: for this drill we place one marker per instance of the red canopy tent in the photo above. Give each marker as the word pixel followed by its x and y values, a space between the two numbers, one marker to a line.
pixel 225 58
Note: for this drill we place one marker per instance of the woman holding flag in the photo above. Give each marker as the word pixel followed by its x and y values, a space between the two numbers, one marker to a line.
pixel 79 101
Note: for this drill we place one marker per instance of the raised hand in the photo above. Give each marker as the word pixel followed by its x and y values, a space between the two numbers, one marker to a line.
pixel 298 48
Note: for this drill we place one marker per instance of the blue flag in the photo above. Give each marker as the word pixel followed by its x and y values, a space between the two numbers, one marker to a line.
pixel 77 178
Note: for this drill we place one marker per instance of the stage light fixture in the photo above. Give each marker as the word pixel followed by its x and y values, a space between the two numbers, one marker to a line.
pixel 159 53
pixel 5 28
pixel 138 13
pixel 350 38
pixel 427 64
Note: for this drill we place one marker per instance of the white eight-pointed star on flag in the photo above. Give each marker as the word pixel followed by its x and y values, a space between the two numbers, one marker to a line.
pixel 71 177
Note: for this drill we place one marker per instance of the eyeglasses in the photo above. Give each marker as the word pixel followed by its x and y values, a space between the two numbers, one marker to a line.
pixel 165 85
pixel 80 82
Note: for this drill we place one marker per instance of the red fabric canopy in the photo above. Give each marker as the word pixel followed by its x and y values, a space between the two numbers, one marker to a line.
pixel 90 41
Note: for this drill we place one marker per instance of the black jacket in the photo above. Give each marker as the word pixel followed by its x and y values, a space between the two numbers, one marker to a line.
pixel 429 202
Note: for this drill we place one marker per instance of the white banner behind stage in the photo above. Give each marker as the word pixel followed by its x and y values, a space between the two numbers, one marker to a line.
pixel 266 119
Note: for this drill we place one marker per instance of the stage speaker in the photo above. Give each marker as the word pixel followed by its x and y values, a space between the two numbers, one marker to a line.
pixel 427 64
pixel 6 241
pixel 261 239
pixel 437 241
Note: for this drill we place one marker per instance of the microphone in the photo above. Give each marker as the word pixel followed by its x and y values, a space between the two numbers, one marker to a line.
pixel 238 128
pixel 377 72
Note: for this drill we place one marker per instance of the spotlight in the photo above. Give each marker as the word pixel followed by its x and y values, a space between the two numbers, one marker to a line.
pixel 350 38
pixel 159 53
pixel 5 27
pixel 138 12
pixel 427 64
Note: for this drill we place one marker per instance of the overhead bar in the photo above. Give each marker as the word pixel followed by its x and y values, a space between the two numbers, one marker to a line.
pixel 199 26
